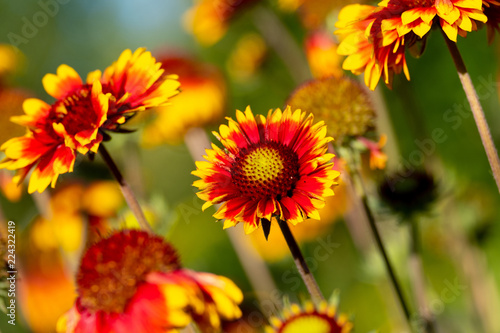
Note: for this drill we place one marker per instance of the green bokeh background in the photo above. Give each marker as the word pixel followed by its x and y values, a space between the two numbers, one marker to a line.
pixel 91 34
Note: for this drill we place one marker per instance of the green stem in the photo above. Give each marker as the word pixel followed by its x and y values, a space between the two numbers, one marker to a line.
pixel 477 110
pixel 381 247
pixel 126 190
pixel 300 262
pixel 418 278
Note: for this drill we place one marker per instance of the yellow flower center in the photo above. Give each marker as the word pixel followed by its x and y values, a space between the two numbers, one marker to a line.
pixel 112 269
pixel 313 322
pixel 263 165
pixel 268 170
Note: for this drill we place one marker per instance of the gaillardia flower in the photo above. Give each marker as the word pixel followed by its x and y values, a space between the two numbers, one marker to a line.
pixel 318 319
pixel 375 38
pixel 133 282
pixel 76 121
pixel 274 167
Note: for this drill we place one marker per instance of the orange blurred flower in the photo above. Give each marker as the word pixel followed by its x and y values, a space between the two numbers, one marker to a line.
pixel 378 159
pixel 375 38
pixel 274 167
pixel 321 51
pixel 150 293
pixel 208 20
pixel 202 101
pixel 82 112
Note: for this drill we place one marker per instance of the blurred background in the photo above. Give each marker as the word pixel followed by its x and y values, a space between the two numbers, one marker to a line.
pixel 256 53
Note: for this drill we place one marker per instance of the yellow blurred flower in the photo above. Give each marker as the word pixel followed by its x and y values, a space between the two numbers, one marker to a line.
pixel 314 14
pixel 77 211
pixel 9 188
pixel 201 102
pixel 11 104
pixel 45 279
pixel 321 51
pixel 102 198
pixel 10 59
pixel 247 56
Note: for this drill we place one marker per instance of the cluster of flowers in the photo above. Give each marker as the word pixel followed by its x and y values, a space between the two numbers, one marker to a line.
pixel 82 114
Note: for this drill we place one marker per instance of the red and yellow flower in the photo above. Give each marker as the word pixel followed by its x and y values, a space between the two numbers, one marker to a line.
pixel 271 167
pixel 320 318
pixel 375 38
pixel 82 111
pixel 133 282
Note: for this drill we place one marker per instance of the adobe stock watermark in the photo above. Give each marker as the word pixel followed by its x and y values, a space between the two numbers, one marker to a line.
pixel 31 25
pixel 437 305
pixel 453 118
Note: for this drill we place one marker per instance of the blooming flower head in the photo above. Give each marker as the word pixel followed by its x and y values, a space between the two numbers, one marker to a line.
pixel 375 38
pixel 133 282
pixel 208 20
pixel 320 318
pixel 76 121
pixel 203 101
pixel 340 102
pixel 271 167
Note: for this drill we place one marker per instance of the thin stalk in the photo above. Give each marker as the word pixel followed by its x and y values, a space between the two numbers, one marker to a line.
pixel 381 247
pixel 126 190
pixel 477 110
pixel 283 43
pixel 418 280
pixel 300 262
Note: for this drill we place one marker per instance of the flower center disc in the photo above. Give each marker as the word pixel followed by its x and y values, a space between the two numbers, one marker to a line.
pixel 73 111
pixel 113 268
pixel 413 3
pixel 314 322
pixel 268 170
